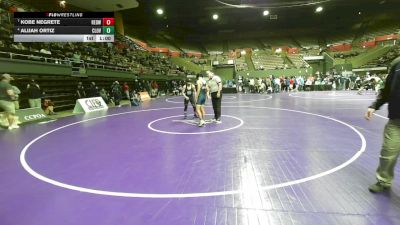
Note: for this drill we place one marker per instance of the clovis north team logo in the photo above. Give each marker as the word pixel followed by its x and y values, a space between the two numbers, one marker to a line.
pixel 94 104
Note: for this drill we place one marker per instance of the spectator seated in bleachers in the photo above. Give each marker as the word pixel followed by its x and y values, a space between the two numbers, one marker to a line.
pixel 105 96
pixel 48 107
pixel 135 99
pixel 92 91
pixel 346 55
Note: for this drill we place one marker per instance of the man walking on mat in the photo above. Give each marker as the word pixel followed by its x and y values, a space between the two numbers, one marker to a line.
pixel 391 143
pixel 215 85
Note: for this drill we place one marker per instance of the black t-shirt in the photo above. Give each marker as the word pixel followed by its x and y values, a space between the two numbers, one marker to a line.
pixel 81 91
pixel 34 91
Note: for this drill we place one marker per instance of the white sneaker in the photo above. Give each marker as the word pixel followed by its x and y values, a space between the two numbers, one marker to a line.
pixel 14 126
pixel 201 123
pixel 218 121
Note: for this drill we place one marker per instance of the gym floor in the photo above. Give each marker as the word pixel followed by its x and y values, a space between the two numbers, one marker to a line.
pixel 298 158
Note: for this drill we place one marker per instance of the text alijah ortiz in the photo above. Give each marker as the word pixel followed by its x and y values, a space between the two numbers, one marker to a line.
pixel 37 30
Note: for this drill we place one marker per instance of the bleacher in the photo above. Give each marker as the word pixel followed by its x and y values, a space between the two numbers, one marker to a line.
pixel 221 58
pixel 241 64
pixel 157 42
pixel 297 60
pixel 187 47
pixel 380 31
pixel 62 89
pixel 349 54
pixel 264 61
pixel 346 38
pixel 308 42
pixel 278 42
pixel 385 60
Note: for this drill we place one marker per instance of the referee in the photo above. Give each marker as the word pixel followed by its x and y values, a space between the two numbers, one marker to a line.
pixel 215 85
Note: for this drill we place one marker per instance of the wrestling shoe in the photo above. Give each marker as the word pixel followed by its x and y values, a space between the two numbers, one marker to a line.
pixel 202 123
pixel 378 187
pixel 218 121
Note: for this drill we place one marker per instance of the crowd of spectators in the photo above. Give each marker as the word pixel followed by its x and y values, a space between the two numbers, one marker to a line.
pixel 127 91
pixel 343 55
pixel 389 56
pixel 384 60
pixel 277 84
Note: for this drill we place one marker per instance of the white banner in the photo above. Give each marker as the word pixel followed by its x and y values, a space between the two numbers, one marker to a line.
pixel 90 105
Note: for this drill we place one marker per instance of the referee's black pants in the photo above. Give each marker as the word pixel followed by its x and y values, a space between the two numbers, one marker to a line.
pixel 216 102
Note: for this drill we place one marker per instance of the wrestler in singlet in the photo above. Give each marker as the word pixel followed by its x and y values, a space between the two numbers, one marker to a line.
pixel 189 95
pixel 202 92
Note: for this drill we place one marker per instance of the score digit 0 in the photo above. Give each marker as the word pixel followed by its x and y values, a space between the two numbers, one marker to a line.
pixel 108 30
pixel 108 21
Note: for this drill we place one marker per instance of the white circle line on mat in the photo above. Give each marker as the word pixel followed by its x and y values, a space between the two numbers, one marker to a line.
pixel 35 174
pixel 150 126
pixel 171 99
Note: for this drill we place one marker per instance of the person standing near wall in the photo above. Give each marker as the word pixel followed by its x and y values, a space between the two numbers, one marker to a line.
pixel 92 91
pixel 116 91
pixel 34 94
pixel 215 86
pixel 125 88
pixel 80 91
pixel 17 92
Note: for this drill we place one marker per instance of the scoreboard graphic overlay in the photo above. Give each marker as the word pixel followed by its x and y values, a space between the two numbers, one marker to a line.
pixel 64 27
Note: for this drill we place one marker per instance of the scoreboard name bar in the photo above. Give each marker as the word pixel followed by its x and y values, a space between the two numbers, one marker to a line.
pixel 64 30
pixel 20 15
pixel 63 38
pixel 64 22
